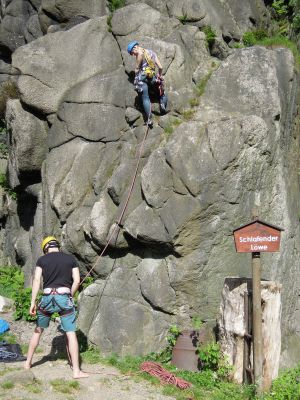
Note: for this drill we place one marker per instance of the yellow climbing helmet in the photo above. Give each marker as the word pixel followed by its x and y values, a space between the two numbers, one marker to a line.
pixel 47 241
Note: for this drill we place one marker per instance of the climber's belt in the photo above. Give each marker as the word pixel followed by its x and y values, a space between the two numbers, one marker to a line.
pixel 59 290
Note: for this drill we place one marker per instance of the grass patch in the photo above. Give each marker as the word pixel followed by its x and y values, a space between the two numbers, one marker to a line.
pixel 113 5
pixel 188 114
pixel 34 387
pixel 201 85
pixel 8 337
pixel 251 39
pixel 91 356
pixel 194 102
pixel 169 129
pixel 7 385
pixel 207 384
pixel 210 35
pixel 183 19
pixel 64 386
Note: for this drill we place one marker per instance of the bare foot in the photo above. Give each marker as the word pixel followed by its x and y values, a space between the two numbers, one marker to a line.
pixel 26 365
pixel 80 374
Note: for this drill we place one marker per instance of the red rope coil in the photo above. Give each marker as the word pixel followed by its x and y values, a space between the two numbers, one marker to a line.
pixel 163 375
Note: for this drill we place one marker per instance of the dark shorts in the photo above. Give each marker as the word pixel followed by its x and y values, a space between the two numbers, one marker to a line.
pixel 60 303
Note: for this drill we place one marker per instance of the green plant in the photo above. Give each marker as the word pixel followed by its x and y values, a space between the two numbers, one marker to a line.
pixel 8 337
pixel 212 358
pixel 108 21
pixel 196 322
pixel 209 355
pixel 286 386
pixel 173 123
pixel 34 387
pixel 87 282
pixel 188 114
pixel 5 185
pixel 250 38
pixel 280 7
pixel 168 130
pixel 194 102
pixel 201 85
pixel 113 5
pixel 91 356
pixel 64 386
pixel 210 35
pixel 22 299
pixel 183 19
pixel 7 385
pixel 11 281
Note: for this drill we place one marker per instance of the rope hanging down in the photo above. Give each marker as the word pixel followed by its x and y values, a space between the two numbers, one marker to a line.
pixel 163 375
pixel 119 222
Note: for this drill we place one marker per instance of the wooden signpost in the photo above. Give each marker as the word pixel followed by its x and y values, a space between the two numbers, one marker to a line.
pixel 257 237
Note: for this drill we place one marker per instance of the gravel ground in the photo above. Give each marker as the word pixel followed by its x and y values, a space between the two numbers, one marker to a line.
pixel 104 382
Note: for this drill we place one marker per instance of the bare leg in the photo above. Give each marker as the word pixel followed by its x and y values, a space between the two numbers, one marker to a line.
pixel 34 341
pixel 68 351
pixel 74 354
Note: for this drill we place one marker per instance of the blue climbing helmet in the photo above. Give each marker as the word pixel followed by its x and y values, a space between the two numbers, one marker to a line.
pixel 131 46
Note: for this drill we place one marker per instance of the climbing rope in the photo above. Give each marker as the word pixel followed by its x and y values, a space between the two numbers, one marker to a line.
pixel 118 224
pixel 163 375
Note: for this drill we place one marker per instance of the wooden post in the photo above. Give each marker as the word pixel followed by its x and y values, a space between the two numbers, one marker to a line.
pixel 257 322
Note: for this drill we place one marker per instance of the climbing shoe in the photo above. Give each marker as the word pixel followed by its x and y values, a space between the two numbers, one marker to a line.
pixel 163 109
pixel 150 122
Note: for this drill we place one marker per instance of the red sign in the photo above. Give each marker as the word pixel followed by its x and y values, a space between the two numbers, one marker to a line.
pixel 257 237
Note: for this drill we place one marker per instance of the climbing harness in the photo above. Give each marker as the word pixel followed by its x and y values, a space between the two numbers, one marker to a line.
pixel 163 375
pixel 149 69
pixel 118 224
pixel 62 311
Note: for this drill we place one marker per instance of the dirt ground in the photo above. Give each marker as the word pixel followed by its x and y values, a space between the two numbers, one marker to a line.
pixel 104 382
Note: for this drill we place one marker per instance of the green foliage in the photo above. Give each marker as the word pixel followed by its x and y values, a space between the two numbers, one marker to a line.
pixel 113 5
pixel 286 386
pixel 109 18
pixel 34 387
pixel 188 114
pixel 250 38
pixel 22 300
pixel 183 19
pixel 209 355
pixel 5 185
pixel 65 386
pixel 87 282
pixel 280 7
pixel 201 85
pixel 11 281
pixel 211 358
pixel 210 35
pixel 8 337
pixel 196 322
pixel 174 122
pixel 7 385
pixel 194 102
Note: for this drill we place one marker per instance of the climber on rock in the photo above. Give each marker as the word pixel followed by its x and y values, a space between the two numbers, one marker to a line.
pixel 147 79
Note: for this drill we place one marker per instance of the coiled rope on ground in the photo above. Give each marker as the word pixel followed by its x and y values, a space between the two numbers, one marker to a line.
pixel 163 375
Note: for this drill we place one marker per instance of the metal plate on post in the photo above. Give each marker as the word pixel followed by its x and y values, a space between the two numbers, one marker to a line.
pixel 257 236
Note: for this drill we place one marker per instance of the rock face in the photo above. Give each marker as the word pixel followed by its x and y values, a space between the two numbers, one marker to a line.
pixel 74 137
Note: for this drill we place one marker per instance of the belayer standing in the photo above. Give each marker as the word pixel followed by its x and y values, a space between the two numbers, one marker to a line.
pixel 61 280
pixel 146 77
